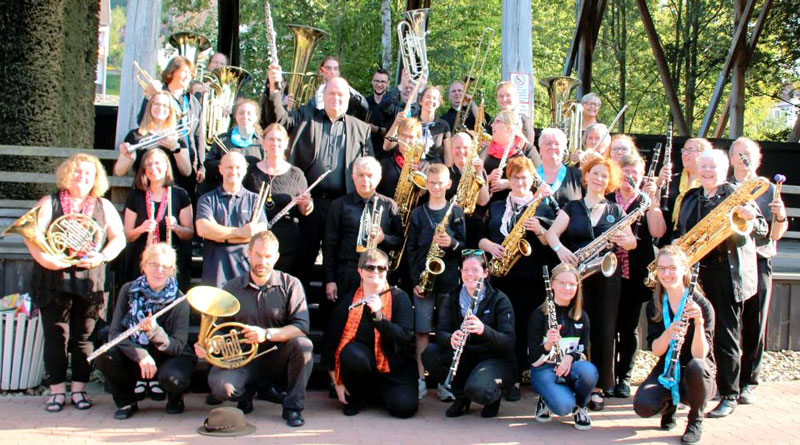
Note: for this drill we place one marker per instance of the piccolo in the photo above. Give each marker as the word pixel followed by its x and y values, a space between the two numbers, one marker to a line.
pixel 363 301
pixel 293 202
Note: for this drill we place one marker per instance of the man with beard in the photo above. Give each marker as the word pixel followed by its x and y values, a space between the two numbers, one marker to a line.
pixel 375 119
pixel 275 315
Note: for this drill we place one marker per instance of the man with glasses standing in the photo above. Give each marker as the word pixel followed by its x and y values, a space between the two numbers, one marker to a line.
pixel 375 118
pixel 364 348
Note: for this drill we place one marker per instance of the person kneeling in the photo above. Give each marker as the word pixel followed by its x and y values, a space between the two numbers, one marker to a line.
pixel 563 387
pixel 486 365
pixel 155 351
pixel 367 343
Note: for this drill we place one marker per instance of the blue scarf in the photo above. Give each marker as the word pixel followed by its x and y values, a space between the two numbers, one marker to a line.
pixel 239 141
pixel 465 299
pixel 144 301
pixel 672 384
pixel 562 173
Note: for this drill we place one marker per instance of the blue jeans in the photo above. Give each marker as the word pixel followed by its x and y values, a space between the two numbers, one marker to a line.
pixel 562 398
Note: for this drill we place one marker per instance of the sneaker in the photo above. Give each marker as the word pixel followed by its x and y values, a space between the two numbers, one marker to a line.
pixel 543 413
pixel 748 395
pixel 725 408
pixel 513 394
pixel 422 389
pixel 582 420
pixel 445 395
pixel 668 418
pixel 596 401
pixel 622 390
pixel 693 432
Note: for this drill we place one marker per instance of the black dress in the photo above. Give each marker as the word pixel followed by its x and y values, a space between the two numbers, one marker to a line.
pixel 490 164
pixel 600 294
pixel 440 133
pixel 137 203
pixel 133 137
pixel 284 187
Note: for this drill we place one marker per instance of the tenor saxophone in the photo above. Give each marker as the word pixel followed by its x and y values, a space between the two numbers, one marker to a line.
pixel 434 265
pixel 717 226
pixel 470 184
pixel 406 194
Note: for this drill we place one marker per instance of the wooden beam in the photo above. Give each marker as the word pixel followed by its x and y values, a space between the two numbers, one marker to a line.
pixel 19 150
pixel 661 63
pixel 582 11
pixel 741 29
pixel 50 178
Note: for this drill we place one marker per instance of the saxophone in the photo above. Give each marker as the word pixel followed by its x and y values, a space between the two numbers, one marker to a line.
pixel 406 194
pixel 470 184
pixel 433 262
pixel 717 226
pixel 515 243
pixel 589 260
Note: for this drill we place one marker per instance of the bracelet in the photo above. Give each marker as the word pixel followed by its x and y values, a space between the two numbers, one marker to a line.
pixel 780 221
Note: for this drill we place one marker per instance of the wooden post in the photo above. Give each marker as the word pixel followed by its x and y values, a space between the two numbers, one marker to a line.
pixel 736 93
pixel 141 45
pixel 515 44
pixel 386 34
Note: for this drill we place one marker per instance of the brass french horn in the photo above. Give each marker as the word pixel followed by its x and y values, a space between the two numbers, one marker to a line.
pixel 68 238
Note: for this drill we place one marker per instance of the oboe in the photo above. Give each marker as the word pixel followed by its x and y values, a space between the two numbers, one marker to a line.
pixel 667 161
pixel 552 321
pixel 363 301
pixel 460 349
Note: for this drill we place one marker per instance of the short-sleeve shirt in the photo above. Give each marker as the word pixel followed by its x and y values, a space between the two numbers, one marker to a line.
pixel 278 303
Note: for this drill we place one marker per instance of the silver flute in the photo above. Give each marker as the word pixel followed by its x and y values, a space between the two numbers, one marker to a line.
pixel 363 301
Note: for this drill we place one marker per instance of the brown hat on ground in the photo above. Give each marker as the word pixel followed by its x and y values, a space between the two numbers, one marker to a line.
pixel 226 421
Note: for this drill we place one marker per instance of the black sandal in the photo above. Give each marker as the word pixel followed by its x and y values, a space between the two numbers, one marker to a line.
pixel 83 403
pixel 55 406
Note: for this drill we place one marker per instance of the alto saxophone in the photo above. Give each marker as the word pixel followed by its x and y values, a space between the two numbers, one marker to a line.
pixel 433 262
pixel 406 194
pixel 515 243
pixel 470 184
pixel 717 226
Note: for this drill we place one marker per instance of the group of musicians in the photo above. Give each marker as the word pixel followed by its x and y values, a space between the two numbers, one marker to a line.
pixel 397 271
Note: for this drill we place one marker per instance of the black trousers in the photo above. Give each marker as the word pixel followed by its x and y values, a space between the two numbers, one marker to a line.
pixel 67 322
pixel 716 282
pixel 601 302
pixel 360 376
pixel 347 279
pixel 174 373
pixel 754 325
pixel 696 388
pixel 289 366
pixel 312 228
pixel 627 335
pixel 481 381
pixel 525 294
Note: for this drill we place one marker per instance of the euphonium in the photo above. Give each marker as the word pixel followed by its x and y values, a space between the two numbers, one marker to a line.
pixel 190 45
pixel 225 83
pixel 411 33
pixel 589 259
pixel 302 85
pixel 406 193
pixel 469 186
pixel 222 350
pixel 717 226
pixel 433 261
pixel 515 243
pixel 565 111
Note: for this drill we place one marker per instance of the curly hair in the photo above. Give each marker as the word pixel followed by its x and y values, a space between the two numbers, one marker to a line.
pixel 68 166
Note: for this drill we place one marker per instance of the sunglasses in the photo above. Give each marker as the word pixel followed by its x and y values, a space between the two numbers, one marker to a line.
pixel 375 268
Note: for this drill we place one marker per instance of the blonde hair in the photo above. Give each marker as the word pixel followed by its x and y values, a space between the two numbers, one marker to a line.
pixel 162 250
pixel 659 294
pixel 410 125
pixel 148 123
pixel 67 168
pixel 576 305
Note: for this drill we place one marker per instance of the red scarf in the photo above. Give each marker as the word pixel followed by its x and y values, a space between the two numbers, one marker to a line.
pixel 399 159
pixel 623 255
pixel 88 209
pixel 496 150
pixel 162 209
pixel 351 326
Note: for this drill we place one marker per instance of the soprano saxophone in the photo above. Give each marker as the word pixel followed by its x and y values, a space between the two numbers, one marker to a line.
pixel 434 265
pixel 470 184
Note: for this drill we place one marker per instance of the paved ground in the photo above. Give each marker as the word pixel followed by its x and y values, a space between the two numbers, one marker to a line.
pixel 22 420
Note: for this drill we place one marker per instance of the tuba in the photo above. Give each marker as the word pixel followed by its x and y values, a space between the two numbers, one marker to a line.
pixel 224 86
pixel 190 45
pixel 223 350
pixel 411 33
pixel 717 226
pixel 69 237
pixel 303 85
pixel 565 111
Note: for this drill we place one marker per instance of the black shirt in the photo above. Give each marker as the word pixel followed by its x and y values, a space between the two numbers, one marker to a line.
pixel 434 145
pixel 580 231
pixel 330 156
pixel 656 328
pixel 574 335
pixel 420 235
pixel 280 302
pixel 450 118
pixel 490 164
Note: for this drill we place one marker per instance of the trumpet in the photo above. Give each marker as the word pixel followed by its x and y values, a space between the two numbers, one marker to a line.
pixel 146 82
pixel 462 113
pixel 371 230
pixel 179 131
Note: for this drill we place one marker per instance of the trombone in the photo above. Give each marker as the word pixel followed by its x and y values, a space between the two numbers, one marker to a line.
pixel 146 82
pixel 473 82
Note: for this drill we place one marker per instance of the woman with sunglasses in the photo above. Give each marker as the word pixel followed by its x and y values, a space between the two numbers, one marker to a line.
pixel 487 364
pixel 572 337
pixel 578 223
pixel 672 315
pixel 365 347
pixel 159 351
pixel 524 289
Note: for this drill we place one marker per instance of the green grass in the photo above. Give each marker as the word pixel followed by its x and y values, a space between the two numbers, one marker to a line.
pixel 112 84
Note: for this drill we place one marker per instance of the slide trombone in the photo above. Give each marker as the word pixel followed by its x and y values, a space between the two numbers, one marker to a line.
pixel 473 82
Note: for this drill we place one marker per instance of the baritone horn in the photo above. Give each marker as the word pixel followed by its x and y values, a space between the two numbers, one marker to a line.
pixel 227 350
pixel 190 45
pixel 565 111
pixel 224 85
pixel 302 85
pixel 411 33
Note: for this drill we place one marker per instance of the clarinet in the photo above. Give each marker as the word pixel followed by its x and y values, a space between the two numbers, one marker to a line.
pixel 651 172
pixel 674 362
pixel 552 322
pixel 272 49
pixel 460 349
pixel 667 161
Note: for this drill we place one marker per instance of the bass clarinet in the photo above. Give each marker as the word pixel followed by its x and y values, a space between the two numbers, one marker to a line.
pixel 473 306
pixel 552 321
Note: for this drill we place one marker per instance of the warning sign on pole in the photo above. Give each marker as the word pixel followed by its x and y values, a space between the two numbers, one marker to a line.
pixel 524 84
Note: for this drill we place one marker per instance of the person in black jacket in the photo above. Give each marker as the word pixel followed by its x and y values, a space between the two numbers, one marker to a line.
pixel 486 366
pixel 672 316
pixel 366 345
pixel 159 351
pixel 572 337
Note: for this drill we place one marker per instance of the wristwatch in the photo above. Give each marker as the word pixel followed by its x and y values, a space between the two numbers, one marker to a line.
pixel 557 248
pixel 269 334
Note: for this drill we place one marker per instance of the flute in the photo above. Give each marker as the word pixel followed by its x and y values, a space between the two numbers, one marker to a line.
pixel 363 301
pixel 293 202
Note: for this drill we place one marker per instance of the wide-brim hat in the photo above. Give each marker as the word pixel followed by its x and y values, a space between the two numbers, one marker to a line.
pixel 226 421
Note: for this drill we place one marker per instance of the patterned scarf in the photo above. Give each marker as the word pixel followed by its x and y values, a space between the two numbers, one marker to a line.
pixel 684 186
pixel 162 210
pixel 144 301
pixel 89 204
pixel 351 327
pixel 514 206
pixel 622 255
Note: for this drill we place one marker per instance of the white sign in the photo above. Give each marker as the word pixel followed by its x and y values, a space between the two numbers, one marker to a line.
pixel 525 88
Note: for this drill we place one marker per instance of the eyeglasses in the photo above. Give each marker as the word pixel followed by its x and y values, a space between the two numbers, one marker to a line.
pixel 375 268
pixel 665 269
pixel 689 151
pixel 621 148
pixel 158 266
